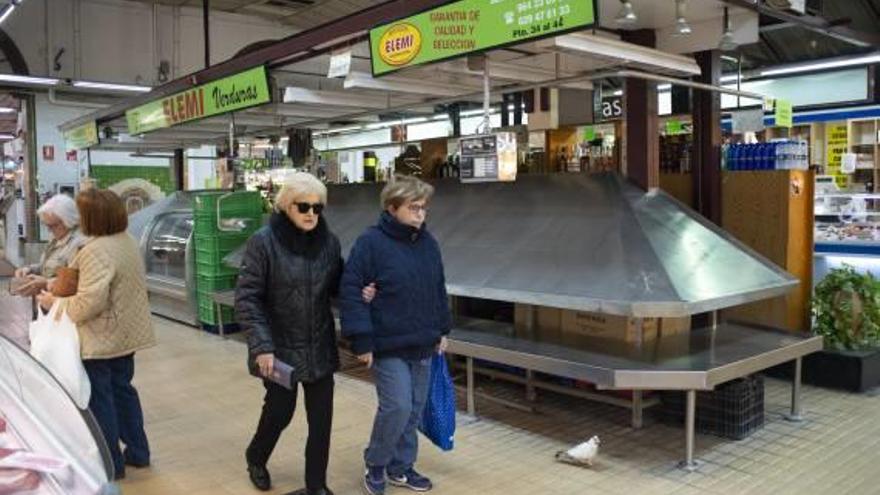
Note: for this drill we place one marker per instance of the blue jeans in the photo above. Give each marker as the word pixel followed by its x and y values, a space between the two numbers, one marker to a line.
pixel 402 388
pixel 117 408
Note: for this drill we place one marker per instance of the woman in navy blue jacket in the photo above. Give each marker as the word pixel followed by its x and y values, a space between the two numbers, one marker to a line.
pixel 398 332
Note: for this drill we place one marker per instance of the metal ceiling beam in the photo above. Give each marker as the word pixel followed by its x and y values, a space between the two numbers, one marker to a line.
pixel 276 53
pixel 813 23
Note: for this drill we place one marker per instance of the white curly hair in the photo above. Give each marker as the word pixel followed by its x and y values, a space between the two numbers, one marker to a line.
pixel 63 207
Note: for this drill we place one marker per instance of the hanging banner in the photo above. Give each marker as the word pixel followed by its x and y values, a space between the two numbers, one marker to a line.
pixel 747 120
pixel 467 26
pixel 340 64
pixel 81 137
pixel 836 145
pixel 243 90
pixel 783 114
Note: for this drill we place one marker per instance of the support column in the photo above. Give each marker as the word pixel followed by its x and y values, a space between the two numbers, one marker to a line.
pixel 177 167
pixel 706 161
pixel 642 132
pixel 31 199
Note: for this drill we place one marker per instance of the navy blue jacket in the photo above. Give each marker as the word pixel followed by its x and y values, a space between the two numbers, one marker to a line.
pixel 411 310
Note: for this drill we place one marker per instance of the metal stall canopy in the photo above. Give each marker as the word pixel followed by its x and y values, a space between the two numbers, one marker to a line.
pixel 590 243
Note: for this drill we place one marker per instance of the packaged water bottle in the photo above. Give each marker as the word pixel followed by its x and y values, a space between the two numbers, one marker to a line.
pixel 771 156
pixel 733 157
pixel 804 155
pixel 761 156
pixel 781 162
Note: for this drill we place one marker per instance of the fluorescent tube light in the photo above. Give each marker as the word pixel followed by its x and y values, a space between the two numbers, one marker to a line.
pixel 15 78
pixel 366 81
pixel 828 64
pixel 619 92
pixel 7 11
pixel 111 86
pixel 7 110
pixel 335 98
pixel 7 136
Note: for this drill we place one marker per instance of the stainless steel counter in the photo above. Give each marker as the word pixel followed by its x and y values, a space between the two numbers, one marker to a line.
pixel 699 360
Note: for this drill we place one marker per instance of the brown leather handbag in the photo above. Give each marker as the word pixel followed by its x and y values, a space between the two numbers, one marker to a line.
pixel 66 282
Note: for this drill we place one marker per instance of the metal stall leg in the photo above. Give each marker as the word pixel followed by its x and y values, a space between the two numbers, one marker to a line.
pixel 795 414
pixel 531 394
pixel 689 464
pixel 219 311
pixel 637 408
pixel 471 402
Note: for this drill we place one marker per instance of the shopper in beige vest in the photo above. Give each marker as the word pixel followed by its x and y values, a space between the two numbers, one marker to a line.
pixel 112 314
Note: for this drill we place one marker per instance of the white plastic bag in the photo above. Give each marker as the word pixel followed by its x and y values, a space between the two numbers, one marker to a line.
pixel 55 344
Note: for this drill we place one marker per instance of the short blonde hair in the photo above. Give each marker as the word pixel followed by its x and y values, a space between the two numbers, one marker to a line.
pixel 405 188
pixel 297 185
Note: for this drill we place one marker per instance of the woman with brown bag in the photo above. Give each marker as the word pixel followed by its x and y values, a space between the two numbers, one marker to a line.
pixel 112 314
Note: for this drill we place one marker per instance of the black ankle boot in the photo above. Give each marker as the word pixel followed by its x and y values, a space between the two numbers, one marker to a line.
pixel 260 477
pixel 306 491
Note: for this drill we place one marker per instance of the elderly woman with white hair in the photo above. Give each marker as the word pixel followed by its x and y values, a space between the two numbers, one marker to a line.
pixel 290 272
pixel 60 216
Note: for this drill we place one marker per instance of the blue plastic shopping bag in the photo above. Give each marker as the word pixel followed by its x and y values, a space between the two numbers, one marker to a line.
pixel 438 421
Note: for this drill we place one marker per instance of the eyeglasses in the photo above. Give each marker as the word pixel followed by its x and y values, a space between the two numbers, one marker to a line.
pixel 416 209
pixel 305 207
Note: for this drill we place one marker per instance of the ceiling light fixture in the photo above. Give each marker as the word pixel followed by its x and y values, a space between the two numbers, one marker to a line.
pixel 7 110
pixel 828 64
pixel 7 10
pixel 7 136
pixel 626 15
pixel 727 42
pixel 112 86
pixel 682 28
pixel 40 81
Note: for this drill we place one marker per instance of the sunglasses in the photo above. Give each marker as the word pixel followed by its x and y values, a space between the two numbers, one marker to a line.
pixel 305 207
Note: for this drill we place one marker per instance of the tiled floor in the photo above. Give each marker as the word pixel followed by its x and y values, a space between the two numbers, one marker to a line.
pixel 201 406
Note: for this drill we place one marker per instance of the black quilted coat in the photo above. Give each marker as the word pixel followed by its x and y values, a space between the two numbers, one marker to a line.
pixel 283 297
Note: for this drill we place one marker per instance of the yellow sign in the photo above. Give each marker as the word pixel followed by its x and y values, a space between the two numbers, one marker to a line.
pixel 400 44
pixel 836 145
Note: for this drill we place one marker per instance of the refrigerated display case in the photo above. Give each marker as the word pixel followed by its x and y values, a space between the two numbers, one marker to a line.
pixel 847 223
pixel 847 230
pixel 164 232
pixel 37 416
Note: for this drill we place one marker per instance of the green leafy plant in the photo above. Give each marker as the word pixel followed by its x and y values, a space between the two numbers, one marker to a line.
pixel 846 308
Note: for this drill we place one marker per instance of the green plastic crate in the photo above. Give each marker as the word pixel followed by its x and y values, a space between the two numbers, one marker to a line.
pixel 212 283
pixel 223 243
pixel 238 202
pixel 212 269
pixel 208 311
pixel 207 223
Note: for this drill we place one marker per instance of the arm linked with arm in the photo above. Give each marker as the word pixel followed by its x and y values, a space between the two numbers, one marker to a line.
pixel 357 323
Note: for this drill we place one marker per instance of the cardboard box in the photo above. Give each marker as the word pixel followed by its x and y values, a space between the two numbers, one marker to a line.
pixel 674 326
pixel 547 322
pixel 599 325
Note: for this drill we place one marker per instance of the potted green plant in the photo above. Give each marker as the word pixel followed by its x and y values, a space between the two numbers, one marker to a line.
pixel 846 312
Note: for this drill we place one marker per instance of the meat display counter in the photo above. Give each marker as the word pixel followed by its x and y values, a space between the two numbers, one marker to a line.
pixel 38 418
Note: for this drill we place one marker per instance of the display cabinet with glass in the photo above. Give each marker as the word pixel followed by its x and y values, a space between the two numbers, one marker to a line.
pixel 847 221
pixel 47 445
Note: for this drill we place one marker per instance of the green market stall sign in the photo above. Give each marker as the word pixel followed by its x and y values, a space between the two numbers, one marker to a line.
pixel 243 90
pixel 783 113
pixel 81 137
pixel 467 26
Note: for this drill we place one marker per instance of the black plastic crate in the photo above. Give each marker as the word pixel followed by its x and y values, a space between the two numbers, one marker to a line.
pixel 733 410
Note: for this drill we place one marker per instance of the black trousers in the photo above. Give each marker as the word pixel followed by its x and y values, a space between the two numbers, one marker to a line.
pixel 278 406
